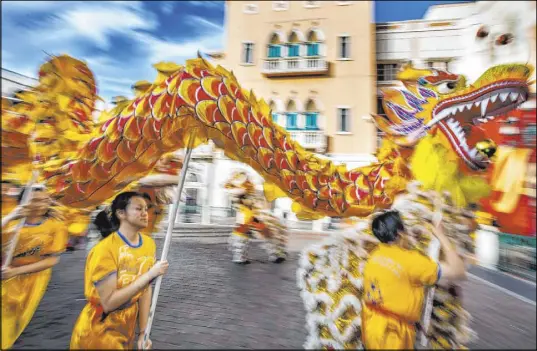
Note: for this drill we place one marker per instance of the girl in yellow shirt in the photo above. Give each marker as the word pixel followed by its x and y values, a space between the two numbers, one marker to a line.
pixel 118 273
pixel 394 282
pixel 38 249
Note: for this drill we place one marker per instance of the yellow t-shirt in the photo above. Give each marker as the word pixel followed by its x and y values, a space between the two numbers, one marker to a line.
pixel 37 241
pixel 115 255
pixel 394 280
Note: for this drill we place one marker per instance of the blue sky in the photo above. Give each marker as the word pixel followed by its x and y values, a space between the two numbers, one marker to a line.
pixel 388 11
pixel 120 40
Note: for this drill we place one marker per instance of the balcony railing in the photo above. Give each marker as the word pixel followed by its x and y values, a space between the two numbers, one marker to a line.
pixel 310 139
pixel 291 65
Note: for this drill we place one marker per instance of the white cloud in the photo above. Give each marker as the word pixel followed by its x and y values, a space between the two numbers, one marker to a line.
pixel 67 27
pixel 162 50
pixel 200 21
pixel 167 7
pixel 95 22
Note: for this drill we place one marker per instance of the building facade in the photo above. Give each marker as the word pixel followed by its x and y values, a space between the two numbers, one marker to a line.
pixel 13 82
pixel 313 62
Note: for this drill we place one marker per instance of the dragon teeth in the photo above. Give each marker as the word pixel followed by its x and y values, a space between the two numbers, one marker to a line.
pixel 503 96
pixel 514 96
pixel 469 106
pixel 493 98
pixel 484 104
pixel 460 108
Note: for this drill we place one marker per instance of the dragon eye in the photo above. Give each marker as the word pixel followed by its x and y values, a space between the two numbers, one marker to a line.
pixel 504 39
pixel 446 88
pixel 482 32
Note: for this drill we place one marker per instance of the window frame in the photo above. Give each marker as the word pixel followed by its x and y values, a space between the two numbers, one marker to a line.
pixel 340 47
pixel 339 115
pixel 315 116
pixel 312 6
pixel 274 46
pixel 293 126
pixel 294 45
pixel 393 71
pixel 250 12
pixel 243 53
pixel 274 8
pixel 311 44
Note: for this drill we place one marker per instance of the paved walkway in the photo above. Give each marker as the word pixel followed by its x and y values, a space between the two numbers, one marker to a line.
pixel 206 302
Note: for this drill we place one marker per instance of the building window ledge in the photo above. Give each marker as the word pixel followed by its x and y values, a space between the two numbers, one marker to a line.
pixel 343 133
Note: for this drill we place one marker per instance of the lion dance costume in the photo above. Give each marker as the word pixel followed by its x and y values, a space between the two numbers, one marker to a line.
pixel 253 220
pixel 432 126
pixel 434 137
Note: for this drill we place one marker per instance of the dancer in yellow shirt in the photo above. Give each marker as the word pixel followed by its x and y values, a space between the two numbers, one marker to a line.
pixel 25 280
pixel 394 282
pixel 119 270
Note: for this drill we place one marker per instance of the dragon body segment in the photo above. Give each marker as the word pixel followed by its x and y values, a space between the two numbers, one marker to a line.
pixel 198 100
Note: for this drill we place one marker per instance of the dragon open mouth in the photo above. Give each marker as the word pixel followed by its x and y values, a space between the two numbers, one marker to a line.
pixel 481 106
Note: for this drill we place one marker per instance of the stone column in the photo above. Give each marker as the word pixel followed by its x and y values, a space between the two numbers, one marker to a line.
pixel 487 246
pixel 207 200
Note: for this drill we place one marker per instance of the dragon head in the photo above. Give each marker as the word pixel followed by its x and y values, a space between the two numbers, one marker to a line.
pixel 439 103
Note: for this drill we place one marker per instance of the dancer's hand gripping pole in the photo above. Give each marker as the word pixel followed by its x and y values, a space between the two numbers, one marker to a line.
pixel 15 238
pixel 434 253
pixel 171 222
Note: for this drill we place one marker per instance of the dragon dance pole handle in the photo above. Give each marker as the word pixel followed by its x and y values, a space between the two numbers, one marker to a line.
pixel 171 222
pixel 24 201
pixel 434 253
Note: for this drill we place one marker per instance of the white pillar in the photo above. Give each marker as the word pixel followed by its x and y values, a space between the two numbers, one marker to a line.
pixel 206 209
pixel 318 225
pixel 487 247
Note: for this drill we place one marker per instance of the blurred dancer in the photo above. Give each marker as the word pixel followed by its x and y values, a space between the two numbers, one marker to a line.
pixel 9 196
pixel 119 270
pixel 154 213
pixel 394 282
pixel 24 282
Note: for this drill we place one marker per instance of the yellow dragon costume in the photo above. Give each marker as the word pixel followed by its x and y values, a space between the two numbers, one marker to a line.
pixel 253 220
pixel 431 125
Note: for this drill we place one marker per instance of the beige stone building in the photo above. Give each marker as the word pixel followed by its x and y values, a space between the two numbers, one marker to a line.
pixel 314 63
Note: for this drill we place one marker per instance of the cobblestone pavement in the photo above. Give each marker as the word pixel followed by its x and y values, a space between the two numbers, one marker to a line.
pixel 206 302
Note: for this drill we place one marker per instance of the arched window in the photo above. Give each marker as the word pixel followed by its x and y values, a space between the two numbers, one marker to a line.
pixel 293 45
pixel 312 113
pixel 274 111
pixel 292 114
pixel 274 49
pixel 314 39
